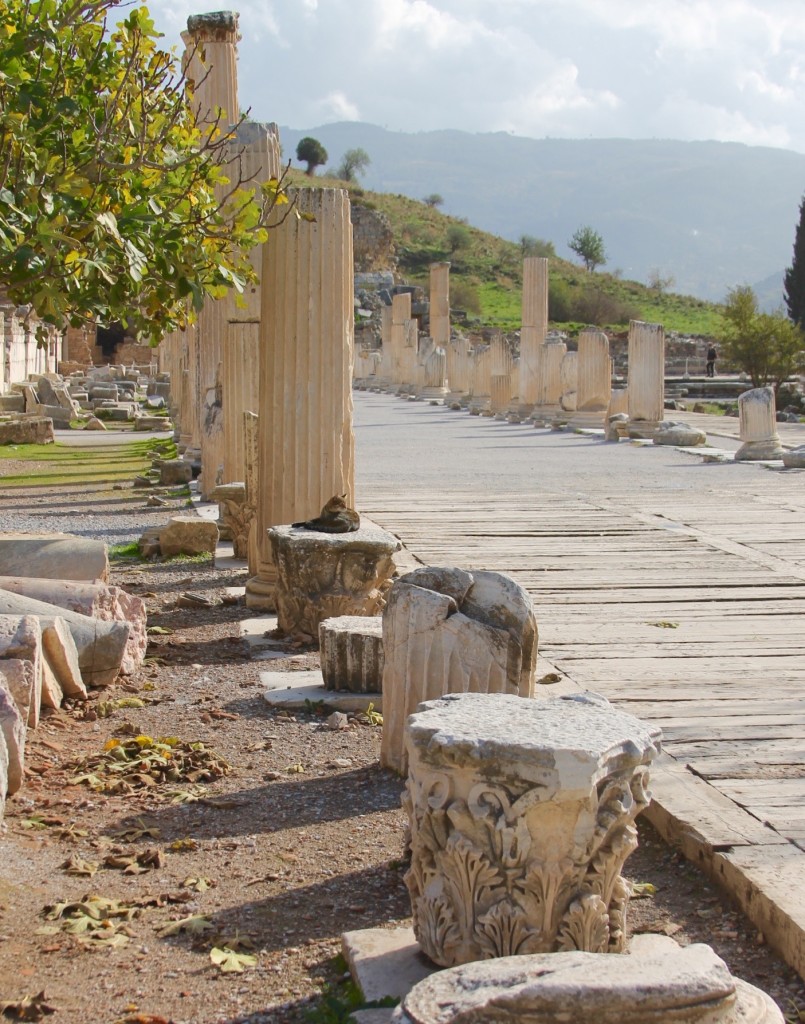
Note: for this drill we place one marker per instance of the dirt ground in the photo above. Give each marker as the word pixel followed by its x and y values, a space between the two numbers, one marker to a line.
pixel 261 865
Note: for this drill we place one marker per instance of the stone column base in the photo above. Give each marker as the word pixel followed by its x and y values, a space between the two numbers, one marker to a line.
pixel 760 451
pixel 583 419
pixel 261 594
pixel 643 429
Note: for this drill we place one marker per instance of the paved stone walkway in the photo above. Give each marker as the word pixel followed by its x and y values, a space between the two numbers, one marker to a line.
pixel 674 587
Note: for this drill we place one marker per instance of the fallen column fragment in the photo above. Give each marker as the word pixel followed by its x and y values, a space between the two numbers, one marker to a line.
pixel 101 645
pixel 21 644
pixel 13 727
pixel 98 600
pixel 55 556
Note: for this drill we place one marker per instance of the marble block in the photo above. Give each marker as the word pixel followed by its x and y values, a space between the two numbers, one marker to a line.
pixel 351 649
pixel 522 815
pixel 235 514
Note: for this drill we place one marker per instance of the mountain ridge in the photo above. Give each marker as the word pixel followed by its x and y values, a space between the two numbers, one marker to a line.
pixel 711 214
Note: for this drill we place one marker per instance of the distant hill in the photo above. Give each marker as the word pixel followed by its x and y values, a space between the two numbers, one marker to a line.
pixel 712 214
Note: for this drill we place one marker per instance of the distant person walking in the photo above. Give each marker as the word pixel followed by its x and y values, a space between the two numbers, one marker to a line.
pixel 712 355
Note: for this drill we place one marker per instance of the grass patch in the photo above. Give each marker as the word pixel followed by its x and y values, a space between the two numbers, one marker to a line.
pixel 55 464
pixel 125 552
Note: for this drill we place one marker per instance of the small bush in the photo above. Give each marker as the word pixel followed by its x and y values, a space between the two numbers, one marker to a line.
pixel 464 295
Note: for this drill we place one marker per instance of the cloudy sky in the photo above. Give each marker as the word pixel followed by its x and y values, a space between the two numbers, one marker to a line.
pixel 730 70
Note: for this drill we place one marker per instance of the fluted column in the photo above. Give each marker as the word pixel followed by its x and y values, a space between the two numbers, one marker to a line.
pixel 210 66
pixel 307 448
pixel 552 354
pixel 569 381
pixel 646 377
pixel 251 476
pixel 534 329
pixel 457 353
pixel 400 315
pixel 440 303
pixel 481 382
pixel 757 412
pixel 594 380
pixel 385 371
pixel 500 383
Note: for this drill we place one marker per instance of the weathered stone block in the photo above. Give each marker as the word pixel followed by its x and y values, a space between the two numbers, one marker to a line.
pixel 175 471
pixel 21 641
pixel 687 986
pixel 188 535
pixel 13 725
pixel 31 430
pixel 322 575
pixel 55 556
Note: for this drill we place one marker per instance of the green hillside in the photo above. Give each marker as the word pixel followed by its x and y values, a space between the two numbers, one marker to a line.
pixel 486 273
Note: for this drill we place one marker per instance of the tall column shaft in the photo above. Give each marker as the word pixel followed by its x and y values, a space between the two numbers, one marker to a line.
pixel 594 380
pixel 440 303
pixel 534 328
pixel 646 372
pixel 307 447
pixel 210 65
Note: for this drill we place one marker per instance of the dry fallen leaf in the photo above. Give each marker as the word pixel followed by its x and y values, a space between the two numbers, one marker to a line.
pixel 230 962
pixel 28 1008
pixel 82 868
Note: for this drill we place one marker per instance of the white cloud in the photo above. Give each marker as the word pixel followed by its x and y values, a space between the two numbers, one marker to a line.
pixel 728 69
pixel 336 107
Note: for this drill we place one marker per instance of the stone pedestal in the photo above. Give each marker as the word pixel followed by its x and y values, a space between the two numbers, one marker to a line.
pixel 307 448
pixel 522 815
pixel 351 657
pixel 646 380
pixel 534 329
pixel 758 426
pixel 234 515
pixel 594 381
pixel 323 575
pixel 450 631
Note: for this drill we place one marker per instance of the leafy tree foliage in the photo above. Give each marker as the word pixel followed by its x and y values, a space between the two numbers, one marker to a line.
pixel 588 245
pixel 311 152
pixel 458 237
pixel 794 280
pixel 433 200
pixel 766 346
pixel 353 163
pixel 658 282
pixel 115 204
pixel 531 246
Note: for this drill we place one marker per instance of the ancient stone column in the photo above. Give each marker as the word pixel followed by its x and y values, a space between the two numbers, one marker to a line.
pixel 440 303
pixel 534 329
pixel 400 316
pixel 569 381
pixel 513 412
pixel 255 160
pixel 307 448
pixel 210 63
pixel 385 370
pixel 758 426
pixel 522 815
pixel 594 380
pixel 433 362
pixel 646 378
pixel 251 470
pixel 481 386
pixel 549 396
pixel 458 371
pixel 500 382
pixel 450 631
pixel 412 378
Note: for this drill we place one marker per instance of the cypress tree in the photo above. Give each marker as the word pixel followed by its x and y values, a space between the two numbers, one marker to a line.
pixel 795 275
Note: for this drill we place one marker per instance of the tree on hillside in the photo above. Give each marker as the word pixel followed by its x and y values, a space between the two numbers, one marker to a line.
pixel 794 281
pixel 767 346
pixel 531 246
pixel 353 163
pixel 659 283
pixel 458 237
pixel 311 152
pixel 588 245
pixel 433 200
pixel 116 203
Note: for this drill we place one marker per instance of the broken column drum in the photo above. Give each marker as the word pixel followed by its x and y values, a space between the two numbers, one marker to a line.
pixel 235 515
pixel 306 443
pixel 646 381
pixel 522 815
pixel 569 381
pixel 758 426
pixel 351 653
pixel 446 630
pixel 500 377
pixel 549 397
pixel 594 380
pixel 481 387
pixel 321 575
